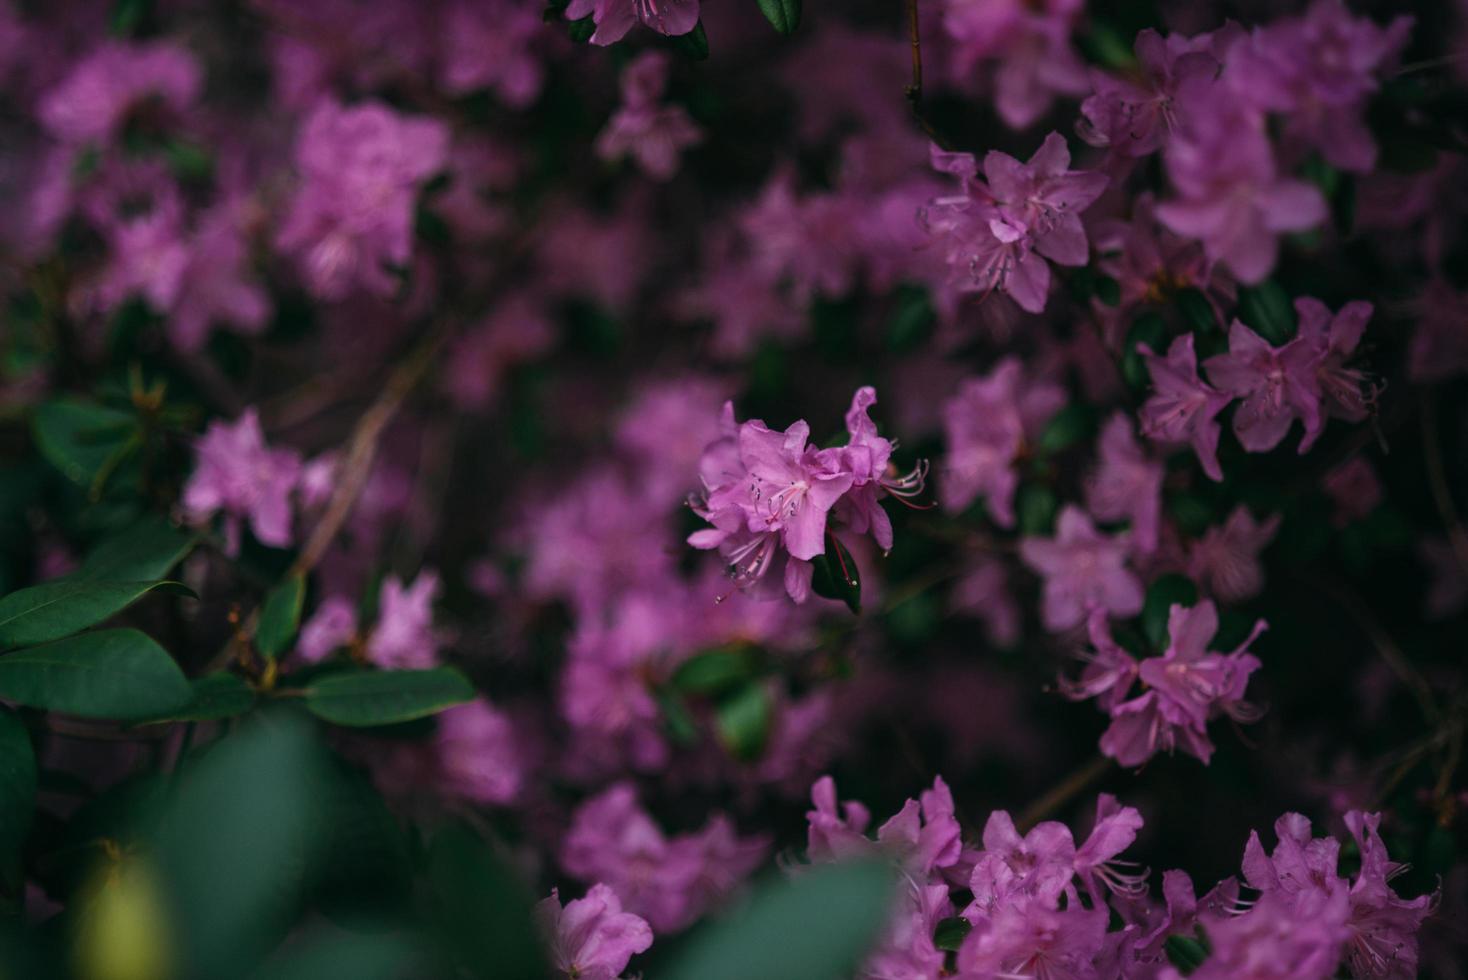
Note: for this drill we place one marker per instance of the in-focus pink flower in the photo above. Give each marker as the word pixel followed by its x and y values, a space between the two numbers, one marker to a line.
pixel 592 938
pixel 1182 408
pixel 1275 386
pixel 614 18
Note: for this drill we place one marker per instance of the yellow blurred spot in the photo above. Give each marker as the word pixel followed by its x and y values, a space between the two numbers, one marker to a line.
pixel 122 932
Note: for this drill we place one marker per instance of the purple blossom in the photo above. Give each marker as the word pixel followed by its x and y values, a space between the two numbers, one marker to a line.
pixel 478 755
pixel 1355 489
pixel 1225 560
pixel 236 473
pixel 332 626
pixel 404 637
pixel 1328 343
pixel 868 456
pixel 216 286
pixel 592 938
pixel 514 332
pixel 924 835
pixel 1275 385
pixel 1083 569
pixel 986 425
pixel 352 215
pixel 490 44
pixel 983 591
pixel 1030 43
pixel 614 18
pixel 652 133
pixel 1230 196
pixel 1127 483
pixel 1133 115
pixel 91 105
pixel 1182 408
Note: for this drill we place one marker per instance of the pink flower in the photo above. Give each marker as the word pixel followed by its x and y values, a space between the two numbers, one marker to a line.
pixel 1083 569
pixel 868 456
pixel 238 474
pixel 404 637
pixel 352 215
pixel 1327 344
pixel 614 18
pixel 1355 488
pixel 516 331
pixel 997 232
pixel 1276 385
pixel 331 627
pixel 986 425
pixel 1133 115
pixel 1109 671
pixel 1127 484
pixel 92 103
pixel 983 591
pixel 216 286
pixel 592 938
pixel 924 835
pixel 650 132
pixel 489 44
pixel 1030 43
pixel 478 756
pixel 1225 560
pixel 1182 408
pixel 1230 196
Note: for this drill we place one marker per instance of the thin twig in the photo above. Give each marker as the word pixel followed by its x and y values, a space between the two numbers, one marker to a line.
pixel 915 87
pixel 1063 792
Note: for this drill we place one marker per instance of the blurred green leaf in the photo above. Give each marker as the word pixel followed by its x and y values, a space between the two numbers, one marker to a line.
pixel 1162 595
pixel 836 575
pixel 1267 308
pixel 815 926
pixel 1185 953
pixel 235 840
pixel 483 909
pixel 1037 506
pixel 144 551
pixel 215 696
pixel 82 439
pixel 783 15
pixel 386 697
pixel 713 671
pixel 120 674
pixel 912 321
pixel 17 791
pixel 1073 424
pixel 280 616
pixel 61 608
pixel 743 721
pixel 694 44
pixel 323 955
pixel 1196 310
pixel 949 933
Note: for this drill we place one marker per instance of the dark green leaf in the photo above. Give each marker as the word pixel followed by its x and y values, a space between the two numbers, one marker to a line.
pixel 1108 290
pixel 17 789
pixel 912 321
pixel 713 671
pixel 677 719
pixel 146 550
pixel 1073 424
pixel 581 30
pixel 1267 308
pixel 836 575
pixel 119 674
pixel 1197 311
pixel 816 926
pixel 1162 595
pixel 949 934
pixel 484 910
pixel 386 697
pixel 743 721
pixel 67 606
pixel 694 44
pixel 384 956
pixel 1036 505
pixel 1185 953
pixel 783 15
pixel 80 438
pixel 280 616
pixel 215 696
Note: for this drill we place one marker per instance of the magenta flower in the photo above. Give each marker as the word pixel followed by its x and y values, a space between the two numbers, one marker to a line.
pixel 516 331
pixel 1225 560
pixel 404 637
pixel 216 286
pixel 238 474
pixel 352 215
pixel 1383 925
pixel 478 755
pixel 1083 569
pixel 92 102
pixel 614 18
pixel 1276 385
pixel 1030 44
pixel 1327 343
pixel 1182 407
pixel 1109 671
pixel 491 44
pixel 790 486
pixel 1230 196
pixel 592 938
pixel 1127 484
pixel 1134 115
pixel 986 425
pixel 997 233
pixel 868 456
pixel 1355 489
pixel 644 128
pixel 332 626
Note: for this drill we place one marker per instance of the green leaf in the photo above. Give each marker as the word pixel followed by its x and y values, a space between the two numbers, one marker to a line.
pixel 120 674
pixel 949 933
pixel 17 789
pixel 836 575
pixel 912 321
pixel 1149 329
pixel 694 44
pixel 1037 506
pixel 386 697
pixel 67 606
pixel 1108 290
pixel 1267 308
pixel 1162 595
pixel 280 616
pixel 816 926
pixel 82 439
pixel 677 719
pixel 743 721
pixel 215 696
pixel 713 671
pixel 1073 424
pixel 1196 310
pixel 581 30
pixel 783 15
pixel 146 550
pixel 1185 953
pixel 484 909
pixel 382 956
